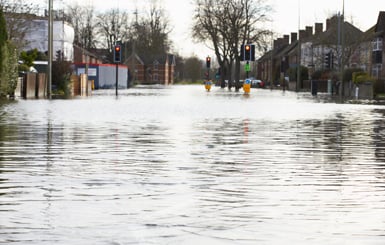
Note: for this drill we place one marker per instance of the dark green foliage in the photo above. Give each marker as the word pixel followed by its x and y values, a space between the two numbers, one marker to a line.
pixel 192 69
pixel 348 73
pixel 3 37
pixel 61 75
pixel 3 28
pixel 8 61
pixel 28 57
pixel 9 75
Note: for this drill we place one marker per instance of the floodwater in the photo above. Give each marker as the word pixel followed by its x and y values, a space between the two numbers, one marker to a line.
pixel 179 165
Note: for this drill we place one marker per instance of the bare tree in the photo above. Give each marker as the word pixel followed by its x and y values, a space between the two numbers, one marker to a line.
pixel 112 26
pixel 226 24
pixel 18 15
pixel 152 30
pixel 82 18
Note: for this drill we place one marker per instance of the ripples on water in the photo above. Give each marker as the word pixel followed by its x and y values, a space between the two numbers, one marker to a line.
pixel 182 166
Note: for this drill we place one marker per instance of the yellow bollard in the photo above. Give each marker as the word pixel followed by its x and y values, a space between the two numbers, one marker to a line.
pixel 246 86
pixel 208 86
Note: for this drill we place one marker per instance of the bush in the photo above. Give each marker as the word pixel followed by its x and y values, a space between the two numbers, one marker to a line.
pixel 348 74
pixel 61 75
pixel 9 74
pixel 360 77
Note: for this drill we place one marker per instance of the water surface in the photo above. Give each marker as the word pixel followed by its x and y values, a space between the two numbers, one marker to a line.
pixel 178 165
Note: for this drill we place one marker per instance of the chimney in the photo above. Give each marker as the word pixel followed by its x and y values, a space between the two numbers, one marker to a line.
pixel 293 37
pixel 328 23
pixel 309 31
pixel 302 34
pixel 279 42
pixel 285 40
pixel 318 28
pixel 275 44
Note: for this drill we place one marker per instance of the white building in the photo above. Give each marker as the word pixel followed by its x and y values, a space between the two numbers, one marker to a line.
pixel 63 38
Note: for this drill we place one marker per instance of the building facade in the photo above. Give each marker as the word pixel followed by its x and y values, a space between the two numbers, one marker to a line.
pixel 63 38
pixel 160 70
pixel 378 52
pixel 320 49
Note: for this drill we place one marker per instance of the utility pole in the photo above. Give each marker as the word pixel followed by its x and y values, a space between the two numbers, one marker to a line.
pixel 342 50
pixel 298 51
pixel 133 55
pixel 50 48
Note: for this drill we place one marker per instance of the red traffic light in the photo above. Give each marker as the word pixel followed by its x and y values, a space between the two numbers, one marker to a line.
pixel 117 54
pixel 247 52
pixel 208 61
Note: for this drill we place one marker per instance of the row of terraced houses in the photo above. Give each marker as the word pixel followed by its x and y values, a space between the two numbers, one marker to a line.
pixel 363 49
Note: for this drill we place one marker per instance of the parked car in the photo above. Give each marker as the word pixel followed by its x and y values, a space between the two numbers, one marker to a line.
pixel 256 83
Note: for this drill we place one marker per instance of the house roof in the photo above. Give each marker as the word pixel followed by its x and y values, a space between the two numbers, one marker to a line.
pixel 266 56
pixel 136 57
pixel 165 59
pixel 160 59
pixel 101 53
pixel 330 37
pixel 288 49
pixel 380 26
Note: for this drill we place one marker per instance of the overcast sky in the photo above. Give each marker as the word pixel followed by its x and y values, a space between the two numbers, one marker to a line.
pixel 288 15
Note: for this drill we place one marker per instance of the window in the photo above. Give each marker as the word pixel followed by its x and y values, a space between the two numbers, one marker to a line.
pixel 376 70
pixel 156 65
pixel 377 57
pixel 377 44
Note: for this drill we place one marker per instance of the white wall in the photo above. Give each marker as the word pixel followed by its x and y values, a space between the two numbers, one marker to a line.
pixel 63 38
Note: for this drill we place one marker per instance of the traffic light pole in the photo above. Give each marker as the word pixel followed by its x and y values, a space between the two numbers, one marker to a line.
pixel 117 77
pixel 247 69
pixel 208 65
pixel 117 60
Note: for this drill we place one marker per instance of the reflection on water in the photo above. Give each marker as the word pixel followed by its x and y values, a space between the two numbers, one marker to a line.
pixel 181 166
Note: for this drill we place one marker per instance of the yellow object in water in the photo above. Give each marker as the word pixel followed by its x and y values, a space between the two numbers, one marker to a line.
pixel 208 86
pixel 246 86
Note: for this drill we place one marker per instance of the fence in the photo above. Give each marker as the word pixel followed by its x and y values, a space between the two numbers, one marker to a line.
pixel 31 86
pixel 34 86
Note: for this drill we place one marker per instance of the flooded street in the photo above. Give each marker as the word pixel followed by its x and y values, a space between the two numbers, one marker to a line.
pixel 178 165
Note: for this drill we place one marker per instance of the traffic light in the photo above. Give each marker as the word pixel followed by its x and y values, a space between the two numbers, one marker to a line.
pixel 247 52
pixel 208 62
pixel 328 60
pixel 117 54
pixel 252 52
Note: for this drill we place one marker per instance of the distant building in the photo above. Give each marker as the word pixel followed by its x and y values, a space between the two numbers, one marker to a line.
pixel 159 70
pixel 63 37
pixel 314 47
pixel 378 51
pixel 82 55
